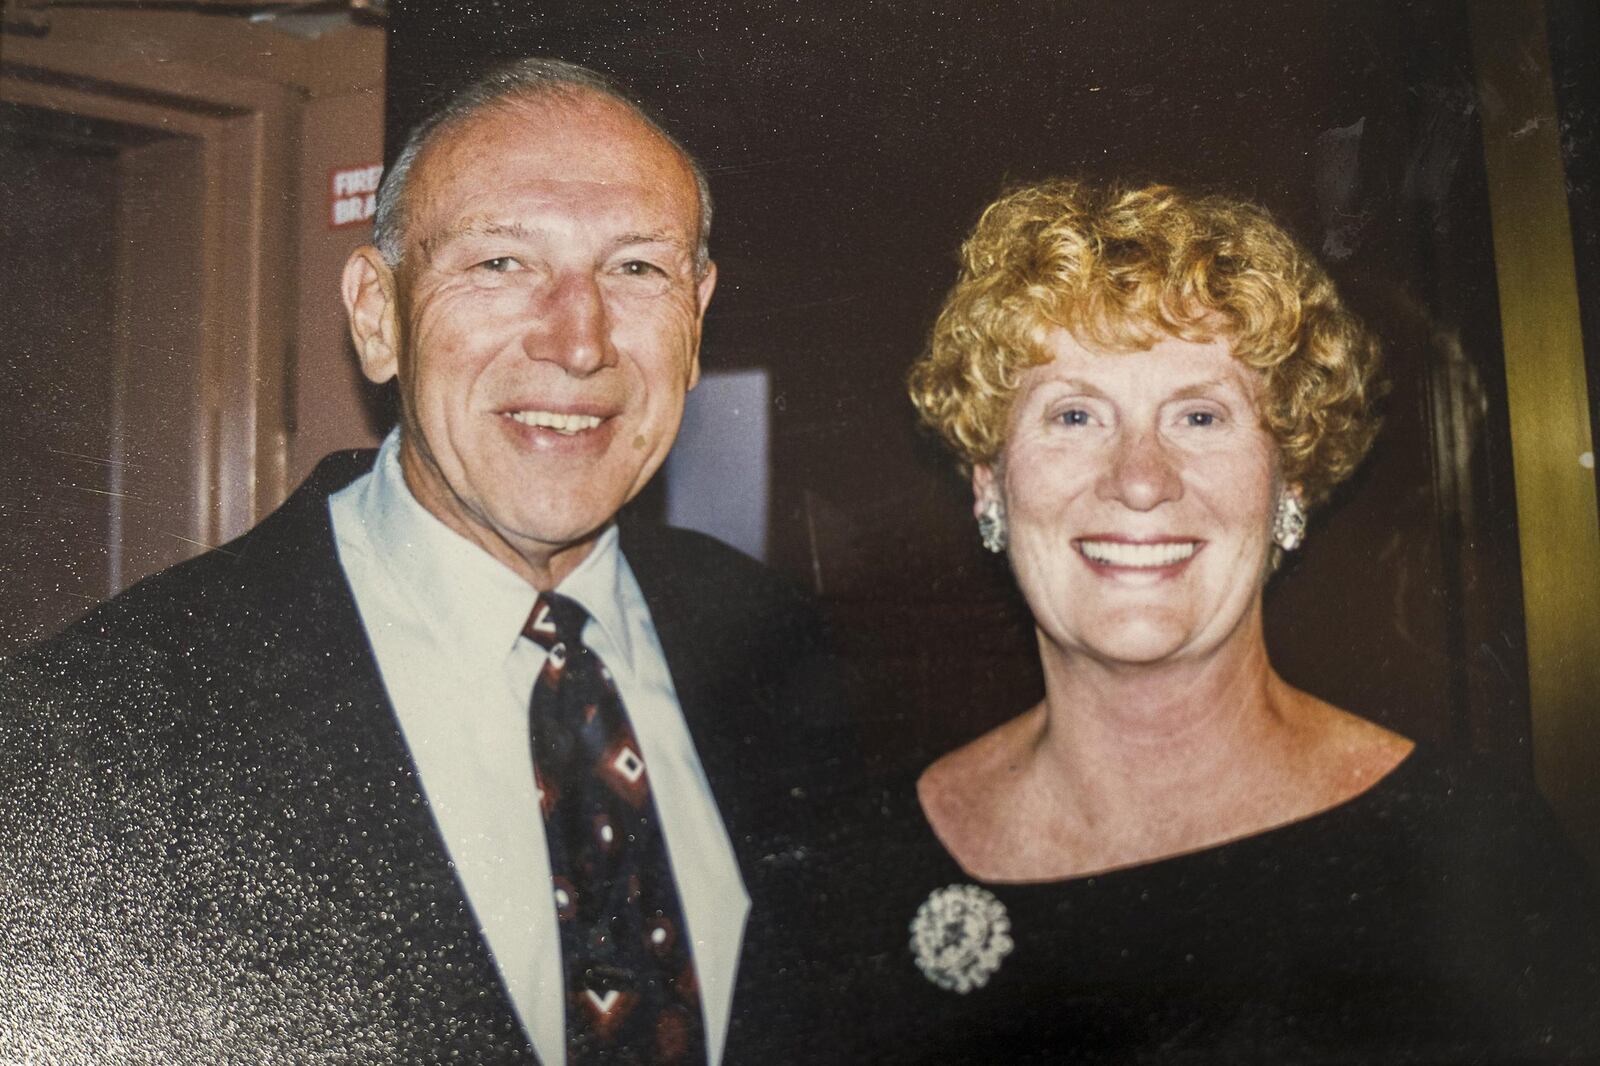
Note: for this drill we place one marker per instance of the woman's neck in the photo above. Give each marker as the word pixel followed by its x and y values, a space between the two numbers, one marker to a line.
pixel 1147 725
pixel 1126 764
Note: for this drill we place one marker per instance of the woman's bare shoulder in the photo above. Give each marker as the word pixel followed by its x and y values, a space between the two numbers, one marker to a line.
pixel 1345 754
pixel 965 793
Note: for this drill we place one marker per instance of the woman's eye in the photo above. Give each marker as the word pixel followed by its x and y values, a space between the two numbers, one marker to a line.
pixel 1200 418
pixel 1074 416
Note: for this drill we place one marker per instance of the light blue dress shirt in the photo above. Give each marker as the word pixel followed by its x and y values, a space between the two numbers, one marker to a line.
pixel 445 621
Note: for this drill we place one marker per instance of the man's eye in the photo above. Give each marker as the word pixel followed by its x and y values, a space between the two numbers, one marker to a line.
pixel 639 268
pixel 498 265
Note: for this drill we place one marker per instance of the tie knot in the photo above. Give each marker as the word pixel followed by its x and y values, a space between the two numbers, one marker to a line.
pixel 555 619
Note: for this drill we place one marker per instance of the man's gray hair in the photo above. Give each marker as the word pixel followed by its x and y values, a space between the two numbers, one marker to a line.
pixel 523 79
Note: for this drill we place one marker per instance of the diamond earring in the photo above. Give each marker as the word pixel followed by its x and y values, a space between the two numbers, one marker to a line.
pixel 1289 523
pixel 992 527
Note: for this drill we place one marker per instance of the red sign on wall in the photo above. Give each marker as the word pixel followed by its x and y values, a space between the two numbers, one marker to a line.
pixel 353 195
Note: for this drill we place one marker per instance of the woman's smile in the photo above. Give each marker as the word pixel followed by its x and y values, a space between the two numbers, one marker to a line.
pixel 1115 553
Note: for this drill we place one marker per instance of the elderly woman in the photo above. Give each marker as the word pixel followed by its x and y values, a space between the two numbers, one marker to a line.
pixel 1177 855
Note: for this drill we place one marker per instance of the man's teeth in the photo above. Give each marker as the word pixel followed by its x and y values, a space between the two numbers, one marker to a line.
pixel 567 424
pixel 1121 553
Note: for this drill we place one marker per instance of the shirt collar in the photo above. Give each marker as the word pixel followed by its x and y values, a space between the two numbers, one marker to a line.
pixel 475 604
pixel 597 584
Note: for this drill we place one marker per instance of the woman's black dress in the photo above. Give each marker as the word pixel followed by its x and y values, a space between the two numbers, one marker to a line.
pixel 1438 917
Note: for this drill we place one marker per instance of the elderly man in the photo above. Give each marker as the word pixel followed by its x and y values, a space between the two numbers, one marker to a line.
pixel 440 760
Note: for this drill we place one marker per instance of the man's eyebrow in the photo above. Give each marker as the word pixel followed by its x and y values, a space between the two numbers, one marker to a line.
pixel 627 240
pixel 483 227
pixel 474 227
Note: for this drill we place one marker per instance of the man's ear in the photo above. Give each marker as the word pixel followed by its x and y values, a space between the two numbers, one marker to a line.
pixel 985 488
pixel 703 290
pixel 371 302
pixel 705 287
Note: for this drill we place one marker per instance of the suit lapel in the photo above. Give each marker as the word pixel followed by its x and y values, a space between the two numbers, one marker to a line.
pixel 699 676
pixel 743 659
pixel 369 808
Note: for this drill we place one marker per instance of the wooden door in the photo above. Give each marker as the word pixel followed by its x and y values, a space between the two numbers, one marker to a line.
pixel 166 183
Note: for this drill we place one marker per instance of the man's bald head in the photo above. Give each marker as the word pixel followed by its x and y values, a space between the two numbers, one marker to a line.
pixel 523 80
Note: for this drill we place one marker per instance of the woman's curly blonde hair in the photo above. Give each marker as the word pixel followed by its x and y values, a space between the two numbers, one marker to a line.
pixel 1120 268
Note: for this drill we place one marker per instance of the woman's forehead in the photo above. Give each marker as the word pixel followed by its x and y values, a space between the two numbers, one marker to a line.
pixel 1062 352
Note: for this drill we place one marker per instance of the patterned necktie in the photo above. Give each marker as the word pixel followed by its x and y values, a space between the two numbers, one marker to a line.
pixel 632 996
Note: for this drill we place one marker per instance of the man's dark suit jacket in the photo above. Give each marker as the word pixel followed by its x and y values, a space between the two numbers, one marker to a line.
pixel 214 846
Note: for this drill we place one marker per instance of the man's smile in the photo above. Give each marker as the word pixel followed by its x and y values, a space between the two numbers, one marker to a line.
pixel 565 423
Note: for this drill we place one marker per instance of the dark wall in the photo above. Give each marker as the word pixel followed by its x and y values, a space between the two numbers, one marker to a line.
pixel 851 145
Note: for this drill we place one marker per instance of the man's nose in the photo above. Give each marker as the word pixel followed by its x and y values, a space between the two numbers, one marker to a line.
pixel 575 326
pixel 1142 473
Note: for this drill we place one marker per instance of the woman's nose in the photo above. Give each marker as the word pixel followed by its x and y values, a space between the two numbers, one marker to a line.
pixel 1141 473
